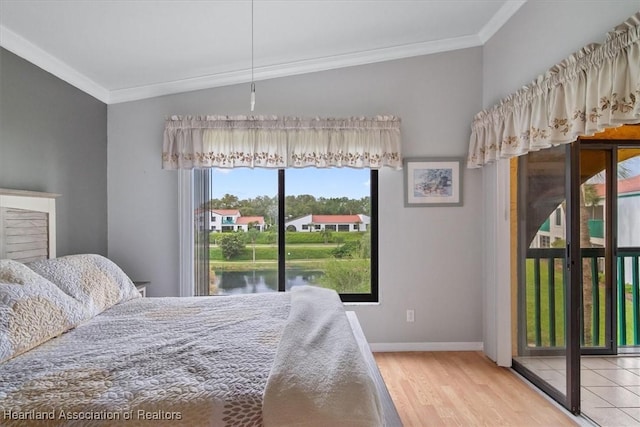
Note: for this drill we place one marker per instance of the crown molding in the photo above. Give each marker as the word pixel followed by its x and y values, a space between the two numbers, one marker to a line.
pixel 32 53
pixel 293 68
pixel 508 9
pixel 25 49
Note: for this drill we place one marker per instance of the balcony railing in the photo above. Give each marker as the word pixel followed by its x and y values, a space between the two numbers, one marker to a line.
pixel 546 295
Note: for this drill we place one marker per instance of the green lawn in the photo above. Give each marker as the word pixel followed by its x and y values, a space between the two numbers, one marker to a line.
pixel 270 253
pixel 545 310
pixel 545 330
pixel 339 260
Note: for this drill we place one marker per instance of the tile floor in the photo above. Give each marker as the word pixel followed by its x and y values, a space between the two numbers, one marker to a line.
pixel 610 386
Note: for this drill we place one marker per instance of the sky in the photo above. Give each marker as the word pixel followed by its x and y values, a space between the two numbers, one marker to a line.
pixel 331 182
pixel 633 165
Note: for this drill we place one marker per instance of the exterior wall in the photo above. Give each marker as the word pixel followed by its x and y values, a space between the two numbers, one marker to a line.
pixel 298 223
pixel 304 224
pixel 429 258
pixel 228 222
pixel 629 220
pixel 220 221
pixel 245 227
pixel 53 138
pixel 557 231
pixel 214 221
pixel 629 227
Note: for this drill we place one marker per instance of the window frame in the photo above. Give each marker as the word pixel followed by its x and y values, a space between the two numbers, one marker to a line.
pixel 187 219
pixel 373 295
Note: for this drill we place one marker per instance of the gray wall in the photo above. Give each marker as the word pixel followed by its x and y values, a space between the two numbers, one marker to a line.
pixel 541 34
pixel 53 138
pixel 429 257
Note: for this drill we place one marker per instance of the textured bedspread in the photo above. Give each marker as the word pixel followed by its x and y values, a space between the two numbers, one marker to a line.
pixel 152 361
pixel 319 377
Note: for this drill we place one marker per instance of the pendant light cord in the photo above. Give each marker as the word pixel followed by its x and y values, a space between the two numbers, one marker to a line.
pixel 251 41
pixel 253 85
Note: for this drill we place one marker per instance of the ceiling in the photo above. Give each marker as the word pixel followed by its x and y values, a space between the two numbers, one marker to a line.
pixel 123 50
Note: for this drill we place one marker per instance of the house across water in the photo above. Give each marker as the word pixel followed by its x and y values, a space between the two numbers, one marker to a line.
pixel 225 220
pixel 230 220
pixel 312 222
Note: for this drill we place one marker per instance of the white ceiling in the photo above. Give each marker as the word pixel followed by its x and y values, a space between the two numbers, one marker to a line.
pixel 122 50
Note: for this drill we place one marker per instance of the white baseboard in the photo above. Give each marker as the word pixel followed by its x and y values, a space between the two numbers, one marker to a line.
pixel 426 346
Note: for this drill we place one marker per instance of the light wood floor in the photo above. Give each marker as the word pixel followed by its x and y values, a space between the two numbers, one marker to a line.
pixel 462 389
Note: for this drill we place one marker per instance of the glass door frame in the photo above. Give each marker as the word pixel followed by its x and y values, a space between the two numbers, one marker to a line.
pixel 611 248
pixel 572 274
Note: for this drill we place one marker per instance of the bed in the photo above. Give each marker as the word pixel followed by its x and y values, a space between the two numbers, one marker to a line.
pixel 80 346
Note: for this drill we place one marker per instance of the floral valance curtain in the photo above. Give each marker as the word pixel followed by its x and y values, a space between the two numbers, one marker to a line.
pixel 596 88
pixel 280 142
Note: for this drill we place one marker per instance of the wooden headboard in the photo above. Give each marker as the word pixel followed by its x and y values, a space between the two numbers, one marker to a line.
pixel 27 225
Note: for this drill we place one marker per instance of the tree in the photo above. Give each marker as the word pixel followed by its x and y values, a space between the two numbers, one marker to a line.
pixel 589 197
pixel 365 245
pixel 326 235
pixel 252 234
pixel 232 245
pixel 229 201
pixel 272 234
pixel 295 206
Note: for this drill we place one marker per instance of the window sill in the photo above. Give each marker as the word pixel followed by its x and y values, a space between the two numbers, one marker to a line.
pixel 351 303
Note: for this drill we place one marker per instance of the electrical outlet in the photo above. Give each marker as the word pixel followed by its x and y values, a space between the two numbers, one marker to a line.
pixel 410 316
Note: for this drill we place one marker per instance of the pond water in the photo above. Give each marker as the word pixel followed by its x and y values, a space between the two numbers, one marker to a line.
pixel 252 281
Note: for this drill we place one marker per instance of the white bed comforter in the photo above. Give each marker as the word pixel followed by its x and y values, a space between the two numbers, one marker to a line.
pixel 200 361
pixel 204 361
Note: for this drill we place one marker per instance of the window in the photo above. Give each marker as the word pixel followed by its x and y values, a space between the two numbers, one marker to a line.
pixel 272 248
pixel 558 216
pixel 545 241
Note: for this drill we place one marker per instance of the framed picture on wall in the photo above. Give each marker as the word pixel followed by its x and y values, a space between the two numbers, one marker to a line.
pixel 432 181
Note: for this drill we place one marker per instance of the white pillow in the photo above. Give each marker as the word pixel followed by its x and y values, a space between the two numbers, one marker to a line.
pixel 95 281
pixel 32 310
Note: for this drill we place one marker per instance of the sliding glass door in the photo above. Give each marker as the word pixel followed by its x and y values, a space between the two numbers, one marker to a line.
pixel 610 247
pixel 578 290
pixel 548 317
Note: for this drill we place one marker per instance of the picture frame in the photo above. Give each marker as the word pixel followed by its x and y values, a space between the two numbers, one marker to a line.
pixel 432 181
